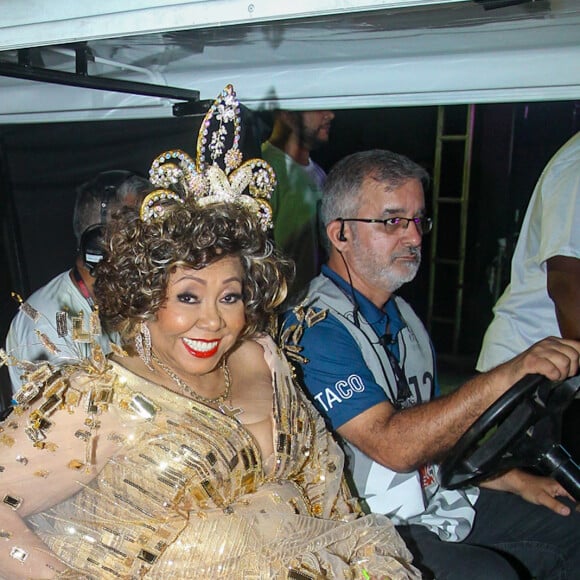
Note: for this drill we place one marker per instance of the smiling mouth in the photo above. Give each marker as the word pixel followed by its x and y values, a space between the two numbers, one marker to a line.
pixel 201 348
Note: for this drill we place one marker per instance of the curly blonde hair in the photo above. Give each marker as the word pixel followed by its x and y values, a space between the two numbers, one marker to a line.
pixel 131 281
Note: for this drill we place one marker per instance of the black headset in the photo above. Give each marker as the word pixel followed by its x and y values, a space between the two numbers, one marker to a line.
pixel 104 186
pixel 341 236
pixel 91 246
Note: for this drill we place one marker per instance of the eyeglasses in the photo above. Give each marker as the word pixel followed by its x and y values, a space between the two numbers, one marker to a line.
pixel 395 224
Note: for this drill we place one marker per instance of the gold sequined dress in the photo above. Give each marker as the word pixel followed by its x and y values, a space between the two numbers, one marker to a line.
pixel 183 493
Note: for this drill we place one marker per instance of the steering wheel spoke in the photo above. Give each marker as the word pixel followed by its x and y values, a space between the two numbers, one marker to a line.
pixel 520 429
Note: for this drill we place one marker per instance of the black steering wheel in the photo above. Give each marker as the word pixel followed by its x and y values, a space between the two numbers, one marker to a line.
pixel 521 429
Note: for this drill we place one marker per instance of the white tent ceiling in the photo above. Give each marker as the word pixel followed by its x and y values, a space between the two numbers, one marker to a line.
pixel 338 54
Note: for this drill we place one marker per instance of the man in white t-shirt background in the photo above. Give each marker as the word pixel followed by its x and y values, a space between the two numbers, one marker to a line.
pixel 542 296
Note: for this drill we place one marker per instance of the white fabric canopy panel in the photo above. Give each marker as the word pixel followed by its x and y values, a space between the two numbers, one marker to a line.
pixel 287 54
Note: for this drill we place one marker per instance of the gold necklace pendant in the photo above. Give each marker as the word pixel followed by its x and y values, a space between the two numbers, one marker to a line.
pixel 219 400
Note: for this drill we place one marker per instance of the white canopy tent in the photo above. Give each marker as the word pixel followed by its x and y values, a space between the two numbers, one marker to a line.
pixel 295 54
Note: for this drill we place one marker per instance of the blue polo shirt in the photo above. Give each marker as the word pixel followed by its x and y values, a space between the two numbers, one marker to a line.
pixel 336 376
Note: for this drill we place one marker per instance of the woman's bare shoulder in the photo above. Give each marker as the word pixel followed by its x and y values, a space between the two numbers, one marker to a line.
pixel 248 359
pixel 249 348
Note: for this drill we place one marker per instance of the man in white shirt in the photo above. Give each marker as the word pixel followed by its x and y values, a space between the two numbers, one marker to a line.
pixel 542 297
pixel 34 330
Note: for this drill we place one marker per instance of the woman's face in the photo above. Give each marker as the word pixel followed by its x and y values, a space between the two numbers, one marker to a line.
pixel 202 318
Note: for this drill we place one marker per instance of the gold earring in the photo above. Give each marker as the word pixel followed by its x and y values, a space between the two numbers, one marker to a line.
pixel 143 345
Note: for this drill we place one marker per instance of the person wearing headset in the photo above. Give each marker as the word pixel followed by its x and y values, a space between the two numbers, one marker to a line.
pixel 368 363
pixel 33 332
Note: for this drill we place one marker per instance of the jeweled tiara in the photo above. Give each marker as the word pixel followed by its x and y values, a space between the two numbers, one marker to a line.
pixel 217 174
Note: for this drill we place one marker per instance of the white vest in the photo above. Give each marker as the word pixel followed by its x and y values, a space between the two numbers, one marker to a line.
pixel 407 498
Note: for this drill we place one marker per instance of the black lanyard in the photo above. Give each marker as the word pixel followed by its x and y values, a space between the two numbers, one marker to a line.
pixel 405 397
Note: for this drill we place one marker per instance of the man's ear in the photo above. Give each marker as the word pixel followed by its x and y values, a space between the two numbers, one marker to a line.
pixel 336 232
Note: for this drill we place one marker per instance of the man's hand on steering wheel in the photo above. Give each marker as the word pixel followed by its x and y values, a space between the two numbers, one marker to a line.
pixel 554 358
pixel 533 488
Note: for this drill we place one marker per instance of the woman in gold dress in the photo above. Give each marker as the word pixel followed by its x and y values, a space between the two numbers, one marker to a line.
pixel 193 454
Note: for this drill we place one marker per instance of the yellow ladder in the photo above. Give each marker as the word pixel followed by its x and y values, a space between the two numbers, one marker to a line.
pixel 451 175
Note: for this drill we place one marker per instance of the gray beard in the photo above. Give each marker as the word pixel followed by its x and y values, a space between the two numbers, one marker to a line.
pixel 385 275
pixel 393 281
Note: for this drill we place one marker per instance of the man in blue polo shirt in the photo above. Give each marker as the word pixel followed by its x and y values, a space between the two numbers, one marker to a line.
pixel 368 363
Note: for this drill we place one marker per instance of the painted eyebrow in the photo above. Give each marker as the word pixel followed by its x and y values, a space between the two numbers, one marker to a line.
pixel 204 282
